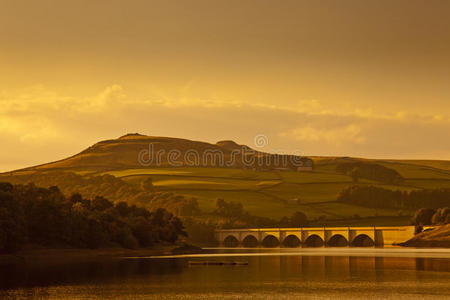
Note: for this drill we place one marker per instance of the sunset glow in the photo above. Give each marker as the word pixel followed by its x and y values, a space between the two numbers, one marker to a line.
pixel 338 78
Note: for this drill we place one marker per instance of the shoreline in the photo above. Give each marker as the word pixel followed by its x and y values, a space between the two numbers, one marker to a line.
pixel 439 237
pixel 65 255
pixel 425 244
pixel 74 255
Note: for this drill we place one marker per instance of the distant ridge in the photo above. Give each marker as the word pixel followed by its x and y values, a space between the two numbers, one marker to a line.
pixel 125 152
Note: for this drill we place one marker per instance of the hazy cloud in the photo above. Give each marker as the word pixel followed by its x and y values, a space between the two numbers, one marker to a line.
pixel 38 125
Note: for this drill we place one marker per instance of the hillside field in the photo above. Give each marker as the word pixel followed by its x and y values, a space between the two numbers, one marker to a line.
pixel 267 193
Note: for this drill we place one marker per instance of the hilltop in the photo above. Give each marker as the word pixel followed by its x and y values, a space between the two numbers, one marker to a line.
pixel 136 150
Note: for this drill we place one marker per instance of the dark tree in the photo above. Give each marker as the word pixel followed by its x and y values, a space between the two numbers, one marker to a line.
pixel 299 219
pixel 423 216
pixel 45 217
pixel 441 216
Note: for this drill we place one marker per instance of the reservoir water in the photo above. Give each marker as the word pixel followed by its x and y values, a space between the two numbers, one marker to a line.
pixel 304 273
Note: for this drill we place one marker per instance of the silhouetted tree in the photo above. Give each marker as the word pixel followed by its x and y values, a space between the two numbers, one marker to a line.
pixel 423 216
pixel 299 219
pixel 372 196
pixel 44 216
pixel 147 185
pixel 231 209
pixel 441 216
pixel 101 204
pixel 369 171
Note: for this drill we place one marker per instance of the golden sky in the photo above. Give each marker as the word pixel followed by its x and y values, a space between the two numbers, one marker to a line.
pixel 354 78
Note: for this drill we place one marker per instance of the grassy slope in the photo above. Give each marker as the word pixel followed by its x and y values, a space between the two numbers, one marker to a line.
pixel 265 193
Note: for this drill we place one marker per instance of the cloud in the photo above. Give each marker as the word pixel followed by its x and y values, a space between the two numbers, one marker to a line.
pixel 345 134
pixel 51 126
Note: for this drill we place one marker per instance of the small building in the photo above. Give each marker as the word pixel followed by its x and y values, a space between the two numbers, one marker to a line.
pixel 293 201
pixel 282 169
pixel 305 165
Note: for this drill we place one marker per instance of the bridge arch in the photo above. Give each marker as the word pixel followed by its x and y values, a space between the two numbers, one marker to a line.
pixel 250 241
pixel 363 240
pixel 291 241
pixel 337 240
pixel 314 241
pixel 231 241
pixel 270 241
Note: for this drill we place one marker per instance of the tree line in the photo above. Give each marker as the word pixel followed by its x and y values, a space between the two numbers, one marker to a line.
pixel 371 171
pixel 142 194
pixel 377 197
pixel 430 216
pixel 233 215
pixel 44 216
pixel 115 189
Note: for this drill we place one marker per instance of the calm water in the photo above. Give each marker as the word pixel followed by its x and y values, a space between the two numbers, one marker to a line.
pixel 270 274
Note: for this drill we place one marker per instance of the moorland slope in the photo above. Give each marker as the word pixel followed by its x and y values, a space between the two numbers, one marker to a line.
pixel 264 191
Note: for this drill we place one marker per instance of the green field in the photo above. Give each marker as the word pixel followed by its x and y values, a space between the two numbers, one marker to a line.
pixel 267 193
pixel 272 193
pixel 197 172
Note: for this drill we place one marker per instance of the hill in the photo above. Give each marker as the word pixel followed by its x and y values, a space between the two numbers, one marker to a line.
pixel 270 190
pixel 435 237
pixel 136 151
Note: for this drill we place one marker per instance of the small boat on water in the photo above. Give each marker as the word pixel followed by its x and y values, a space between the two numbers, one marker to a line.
pixel 217 263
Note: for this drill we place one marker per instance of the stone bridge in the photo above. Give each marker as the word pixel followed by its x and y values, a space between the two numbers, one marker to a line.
pixel 315 236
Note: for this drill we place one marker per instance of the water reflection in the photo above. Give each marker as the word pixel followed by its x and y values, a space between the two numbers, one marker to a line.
pixel 338 267
pixel 122 278
pixel 46 273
